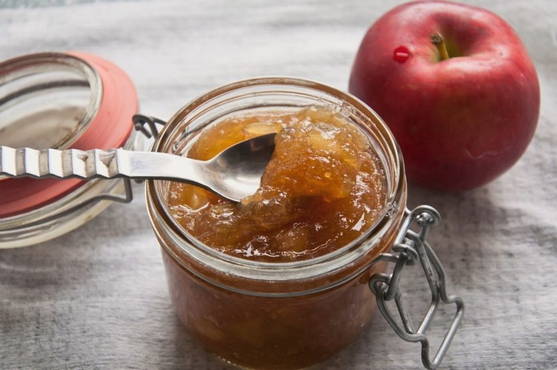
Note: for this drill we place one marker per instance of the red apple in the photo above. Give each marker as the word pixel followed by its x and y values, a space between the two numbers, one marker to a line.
pixel 455 85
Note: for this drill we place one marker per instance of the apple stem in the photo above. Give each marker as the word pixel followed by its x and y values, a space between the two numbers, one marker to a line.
pixel 439 42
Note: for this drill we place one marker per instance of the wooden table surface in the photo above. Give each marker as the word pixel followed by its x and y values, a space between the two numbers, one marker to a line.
pixel 97 297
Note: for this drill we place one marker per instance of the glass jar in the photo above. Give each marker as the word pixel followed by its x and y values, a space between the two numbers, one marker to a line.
pixel 293 315
pixel 61 100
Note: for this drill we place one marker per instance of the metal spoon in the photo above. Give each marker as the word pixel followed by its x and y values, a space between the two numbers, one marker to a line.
pixel 234 173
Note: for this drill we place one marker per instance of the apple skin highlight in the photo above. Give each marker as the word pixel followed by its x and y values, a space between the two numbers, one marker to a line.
pixel 461 121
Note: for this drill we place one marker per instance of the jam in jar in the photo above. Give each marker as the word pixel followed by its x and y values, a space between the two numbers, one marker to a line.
pixel 324 187
pixel 282 279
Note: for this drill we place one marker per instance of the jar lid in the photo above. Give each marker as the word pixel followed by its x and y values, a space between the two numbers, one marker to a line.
pixel 60 100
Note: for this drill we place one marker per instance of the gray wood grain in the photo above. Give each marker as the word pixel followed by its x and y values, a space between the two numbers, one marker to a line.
pixel 97 298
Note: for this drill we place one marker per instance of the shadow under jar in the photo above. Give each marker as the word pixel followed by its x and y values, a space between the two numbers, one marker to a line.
pixel 284 315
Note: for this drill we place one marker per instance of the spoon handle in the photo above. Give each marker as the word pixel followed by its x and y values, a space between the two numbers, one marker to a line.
pixel 16 162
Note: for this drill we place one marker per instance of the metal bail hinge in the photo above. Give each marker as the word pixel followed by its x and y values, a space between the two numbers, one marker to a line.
pixel 411 246
pixel 147 125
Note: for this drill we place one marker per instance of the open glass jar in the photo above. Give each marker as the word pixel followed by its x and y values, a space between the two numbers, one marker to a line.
pixel 295 314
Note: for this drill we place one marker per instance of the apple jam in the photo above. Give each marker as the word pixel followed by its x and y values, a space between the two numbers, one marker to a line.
pixel 323 187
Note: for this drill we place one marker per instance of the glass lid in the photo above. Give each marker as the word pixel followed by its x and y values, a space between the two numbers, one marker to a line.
pixel 59 100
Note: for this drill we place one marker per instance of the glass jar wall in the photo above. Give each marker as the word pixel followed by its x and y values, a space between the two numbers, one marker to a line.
pixel 263 314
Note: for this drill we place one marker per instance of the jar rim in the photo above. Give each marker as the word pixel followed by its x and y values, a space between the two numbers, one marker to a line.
pixel 279 271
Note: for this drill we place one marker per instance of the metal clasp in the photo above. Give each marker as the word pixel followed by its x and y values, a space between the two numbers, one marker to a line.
pixel 411 246
pixel 147 125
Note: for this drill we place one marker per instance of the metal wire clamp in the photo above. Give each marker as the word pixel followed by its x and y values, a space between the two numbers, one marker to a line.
pixel 411 246
pixel 147 125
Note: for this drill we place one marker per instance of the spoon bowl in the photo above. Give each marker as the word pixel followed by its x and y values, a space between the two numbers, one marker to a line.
pixel 236 172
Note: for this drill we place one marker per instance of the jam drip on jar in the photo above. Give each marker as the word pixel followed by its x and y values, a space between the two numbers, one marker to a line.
pixel 323 188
